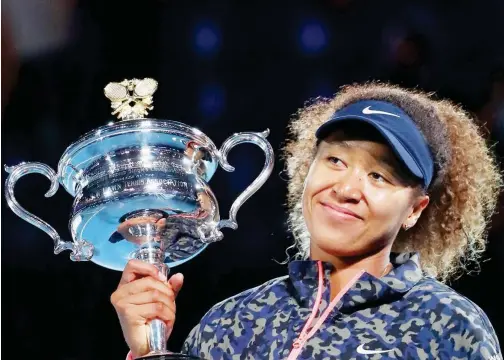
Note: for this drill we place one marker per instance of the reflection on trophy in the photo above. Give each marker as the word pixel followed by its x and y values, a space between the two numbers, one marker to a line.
pixel 140 189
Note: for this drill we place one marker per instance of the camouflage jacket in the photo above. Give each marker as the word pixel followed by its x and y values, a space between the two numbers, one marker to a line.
pixel 402 315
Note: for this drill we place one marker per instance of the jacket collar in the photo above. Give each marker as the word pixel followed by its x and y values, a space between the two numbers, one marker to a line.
pixel 367 290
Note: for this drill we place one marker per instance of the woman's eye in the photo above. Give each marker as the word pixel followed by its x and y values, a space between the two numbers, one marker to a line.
pixel 335 160
pixel 377 177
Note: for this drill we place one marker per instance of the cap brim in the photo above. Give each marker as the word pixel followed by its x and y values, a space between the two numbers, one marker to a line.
pixel 400 151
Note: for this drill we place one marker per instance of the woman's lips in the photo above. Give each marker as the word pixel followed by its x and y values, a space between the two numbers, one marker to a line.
pixel 340 212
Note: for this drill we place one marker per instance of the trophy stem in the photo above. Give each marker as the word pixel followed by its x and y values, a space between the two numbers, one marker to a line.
pixel 157 328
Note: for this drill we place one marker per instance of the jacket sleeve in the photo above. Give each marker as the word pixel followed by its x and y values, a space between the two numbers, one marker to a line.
pixel 191 345
pixel 475 337
pixel 487 345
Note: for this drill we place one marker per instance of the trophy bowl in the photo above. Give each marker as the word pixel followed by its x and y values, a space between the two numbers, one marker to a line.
pixel 140 189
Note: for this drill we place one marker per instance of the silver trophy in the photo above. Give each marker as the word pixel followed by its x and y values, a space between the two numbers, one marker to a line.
pixel 140 189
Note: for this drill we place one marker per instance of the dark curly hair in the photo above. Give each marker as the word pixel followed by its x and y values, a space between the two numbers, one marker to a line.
pixel 463 194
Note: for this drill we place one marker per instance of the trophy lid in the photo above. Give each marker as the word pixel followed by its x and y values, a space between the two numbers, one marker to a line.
pixel 130 100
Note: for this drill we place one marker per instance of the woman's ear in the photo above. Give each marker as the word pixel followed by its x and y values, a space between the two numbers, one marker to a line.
pixel 420 203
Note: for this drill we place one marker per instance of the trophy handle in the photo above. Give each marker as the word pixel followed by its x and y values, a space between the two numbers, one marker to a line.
pixel 81 250
pixel 258 139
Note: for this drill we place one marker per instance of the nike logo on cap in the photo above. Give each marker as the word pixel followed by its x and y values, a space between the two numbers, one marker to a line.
pixel 368 111
pixel 361 350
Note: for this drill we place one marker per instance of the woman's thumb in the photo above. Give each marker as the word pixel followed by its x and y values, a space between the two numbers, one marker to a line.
pixel 176 282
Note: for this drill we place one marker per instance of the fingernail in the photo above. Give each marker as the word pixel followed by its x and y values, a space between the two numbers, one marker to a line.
pixel 178 275
pixel 162 276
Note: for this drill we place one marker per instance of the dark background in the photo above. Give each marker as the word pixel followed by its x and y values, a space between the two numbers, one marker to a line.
pixel 223 67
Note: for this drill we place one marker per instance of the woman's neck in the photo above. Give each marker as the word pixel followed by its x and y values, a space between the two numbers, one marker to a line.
pixel 345 268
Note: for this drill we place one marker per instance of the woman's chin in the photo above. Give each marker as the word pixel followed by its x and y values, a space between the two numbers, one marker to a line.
pixel 337 246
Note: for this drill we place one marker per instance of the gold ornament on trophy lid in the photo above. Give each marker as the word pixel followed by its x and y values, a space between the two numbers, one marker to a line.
pixel 131 99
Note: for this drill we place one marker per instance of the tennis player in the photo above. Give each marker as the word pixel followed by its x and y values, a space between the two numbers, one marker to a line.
pixel 390 193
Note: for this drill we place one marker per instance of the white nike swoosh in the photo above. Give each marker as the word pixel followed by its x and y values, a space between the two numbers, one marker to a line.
pixel 368 111
pixel 361 350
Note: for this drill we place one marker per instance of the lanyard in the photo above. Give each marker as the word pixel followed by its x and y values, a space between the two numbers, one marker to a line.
pixel 308 332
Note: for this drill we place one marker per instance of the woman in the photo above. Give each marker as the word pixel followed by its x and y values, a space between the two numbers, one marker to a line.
pixel 390 192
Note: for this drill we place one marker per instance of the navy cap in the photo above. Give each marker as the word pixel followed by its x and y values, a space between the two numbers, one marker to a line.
pixel 396 127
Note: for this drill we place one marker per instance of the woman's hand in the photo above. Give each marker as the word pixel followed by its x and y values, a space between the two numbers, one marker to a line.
pixel 144 294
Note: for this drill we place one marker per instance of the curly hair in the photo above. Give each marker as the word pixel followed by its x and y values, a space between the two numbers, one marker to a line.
pixel 451 233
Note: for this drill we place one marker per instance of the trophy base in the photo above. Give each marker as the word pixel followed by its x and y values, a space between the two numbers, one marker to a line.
pixel 171 356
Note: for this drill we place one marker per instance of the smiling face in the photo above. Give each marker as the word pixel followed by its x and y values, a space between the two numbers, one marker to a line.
pixel 357 196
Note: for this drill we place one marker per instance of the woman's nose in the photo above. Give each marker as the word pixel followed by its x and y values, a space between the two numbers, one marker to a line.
pixel 349 187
